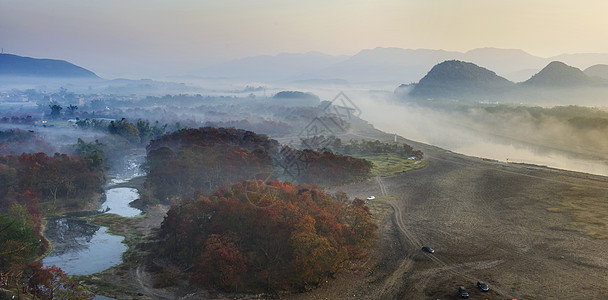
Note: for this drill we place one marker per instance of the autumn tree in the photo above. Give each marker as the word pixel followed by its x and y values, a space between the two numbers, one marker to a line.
pixel 268 236
pixel 314 257
pixel 221 263
pixel 182 162
pixel 61 179
pixel 52 283
pixel 359 219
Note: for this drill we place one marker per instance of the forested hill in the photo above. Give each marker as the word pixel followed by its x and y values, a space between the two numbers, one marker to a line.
pixel 559 74
pixel 455 77
pixel 14 65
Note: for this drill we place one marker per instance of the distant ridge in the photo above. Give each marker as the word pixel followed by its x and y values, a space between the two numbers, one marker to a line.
pixel 599 70
pixel 385 65
pixel 388 66
pixel 558 73
pixel 454 78
pixel 14 65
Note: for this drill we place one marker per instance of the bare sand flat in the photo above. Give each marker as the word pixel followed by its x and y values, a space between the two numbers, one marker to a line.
pixel 529 232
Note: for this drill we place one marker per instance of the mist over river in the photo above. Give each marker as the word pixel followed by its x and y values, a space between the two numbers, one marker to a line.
pixel 447 131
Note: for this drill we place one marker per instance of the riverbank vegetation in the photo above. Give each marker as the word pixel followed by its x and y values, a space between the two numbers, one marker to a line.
pixel 33 186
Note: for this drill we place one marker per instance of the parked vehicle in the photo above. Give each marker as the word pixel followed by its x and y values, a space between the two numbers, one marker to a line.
pixel 428 249
pixel 463 292
pixel 483 286
pixel 370 198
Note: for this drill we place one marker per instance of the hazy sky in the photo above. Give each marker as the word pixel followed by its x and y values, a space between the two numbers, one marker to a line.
pixel 106 35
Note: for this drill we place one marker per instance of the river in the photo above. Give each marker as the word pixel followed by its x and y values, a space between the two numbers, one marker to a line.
pixel 82 249
pixel 444 131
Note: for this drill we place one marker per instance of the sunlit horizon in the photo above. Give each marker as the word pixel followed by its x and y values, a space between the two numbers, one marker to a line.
pixel 148 36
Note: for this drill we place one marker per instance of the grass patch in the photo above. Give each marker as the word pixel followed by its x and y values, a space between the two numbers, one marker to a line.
pixel 588 209
pixel 99 285
pixel 392 164
pixel 378 209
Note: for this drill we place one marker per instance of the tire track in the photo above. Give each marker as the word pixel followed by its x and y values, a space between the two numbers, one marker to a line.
pixel 144 281
pixel 398 216
pixel 455 269
pixel 383 189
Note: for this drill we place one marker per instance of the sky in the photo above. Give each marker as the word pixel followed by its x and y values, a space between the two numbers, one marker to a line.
pixel 117 37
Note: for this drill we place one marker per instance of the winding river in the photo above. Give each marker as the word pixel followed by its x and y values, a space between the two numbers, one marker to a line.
pixel 80 248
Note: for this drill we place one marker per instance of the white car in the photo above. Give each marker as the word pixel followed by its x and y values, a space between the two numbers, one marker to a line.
pixel 370 198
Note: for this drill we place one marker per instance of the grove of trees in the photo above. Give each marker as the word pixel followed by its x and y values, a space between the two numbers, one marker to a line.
pixel 257 236
pixel 191 159
pixel 60 181
pixel 31 185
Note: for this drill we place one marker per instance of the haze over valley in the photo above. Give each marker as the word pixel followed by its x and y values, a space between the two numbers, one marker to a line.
pixel 394 150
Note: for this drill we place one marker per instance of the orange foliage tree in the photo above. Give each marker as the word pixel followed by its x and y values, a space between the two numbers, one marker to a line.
pixel 52 283
pixel 263 236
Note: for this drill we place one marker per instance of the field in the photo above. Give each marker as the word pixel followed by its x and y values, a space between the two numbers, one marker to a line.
pixel 392 164
pixel 586 212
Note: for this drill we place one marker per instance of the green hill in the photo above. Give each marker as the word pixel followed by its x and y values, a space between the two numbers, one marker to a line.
pixel 457 79
pixel 558 73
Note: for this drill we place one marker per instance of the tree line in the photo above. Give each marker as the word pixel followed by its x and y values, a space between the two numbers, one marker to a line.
pixel 187 160
pixel 32 186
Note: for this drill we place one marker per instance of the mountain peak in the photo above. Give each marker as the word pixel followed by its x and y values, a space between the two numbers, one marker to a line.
pixel 557 73
pixel 599 70
pixel 455 78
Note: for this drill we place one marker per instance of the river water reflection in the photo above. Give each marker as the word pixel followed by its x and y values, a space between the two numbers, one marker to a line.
pixel 80 248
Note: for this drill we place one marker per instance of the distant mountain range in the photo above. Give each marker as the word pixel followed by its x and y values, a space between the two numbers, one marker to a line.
pixel 14 65
pixel 456 79
pixel 386 67
pixel 390 66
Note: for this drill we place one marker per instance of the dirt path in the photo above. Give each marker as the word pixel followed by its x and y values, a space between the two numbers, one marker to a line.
pixel 144 281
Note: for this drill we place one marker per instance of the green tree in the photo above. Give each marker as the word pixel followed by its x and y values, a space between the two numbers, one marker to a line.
pixel 19 242
pixel 92 153
pixel 55 110
pixel 125 129
pixel 72 110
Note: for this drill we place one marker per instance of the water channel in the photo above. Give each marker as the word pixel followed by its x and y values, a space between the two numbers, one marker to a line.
pixel 80 248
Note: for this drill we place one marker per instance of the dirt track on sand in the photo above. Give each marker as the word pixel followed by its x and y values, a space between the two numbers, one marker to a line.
pixel 486 221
